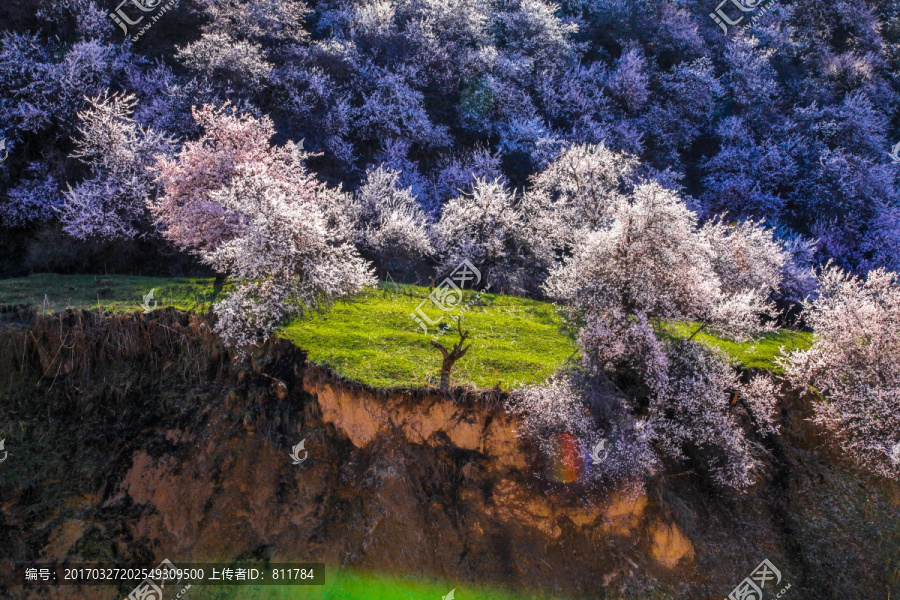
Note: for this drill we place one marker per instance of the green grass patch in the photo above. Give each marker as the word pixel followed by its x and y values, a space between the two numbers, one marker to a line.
pixel 117 293
pixel 373 339
pixel 756 354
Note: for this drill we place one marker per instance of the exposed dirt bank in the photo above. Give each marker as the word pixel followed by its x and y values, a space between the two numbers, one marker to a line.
pixel 133 438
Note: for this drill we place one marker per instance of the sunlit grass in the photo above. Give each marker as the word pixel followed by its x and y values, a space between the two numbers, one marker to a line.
pixel 373 338
pixel 757 354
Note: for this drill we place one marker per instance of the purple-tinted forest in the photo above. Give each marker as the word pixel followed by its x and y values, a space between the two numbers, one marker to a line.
pixel 790 121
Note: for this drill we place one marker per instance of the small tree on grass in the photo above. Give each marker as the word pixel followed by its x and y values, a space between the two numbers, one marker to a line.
pixel 451 356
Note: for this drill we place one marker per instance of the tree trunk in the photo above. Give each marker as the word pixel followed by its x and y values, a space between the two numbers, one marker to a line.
pixel 451 356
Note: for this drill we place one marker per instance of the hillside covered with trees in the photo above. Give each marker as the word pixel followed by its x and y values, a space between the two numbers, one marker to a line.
pixel 640 230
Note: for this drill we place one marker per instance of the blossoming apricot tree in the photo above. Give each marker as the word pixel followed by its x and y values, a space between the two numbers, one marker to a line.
pixel 253 211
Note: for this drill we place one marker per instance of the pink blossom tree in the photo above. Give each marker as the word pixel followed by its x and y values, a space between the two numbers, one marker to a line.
pixel 252 211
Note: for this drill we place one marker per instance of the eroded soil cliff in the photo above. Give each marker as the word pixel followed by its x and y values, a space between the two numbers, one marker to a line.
pixel 134 438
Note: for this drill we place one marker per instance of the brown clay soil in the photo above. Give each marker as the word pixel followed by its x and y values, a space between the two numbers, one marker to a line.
pixel 138 437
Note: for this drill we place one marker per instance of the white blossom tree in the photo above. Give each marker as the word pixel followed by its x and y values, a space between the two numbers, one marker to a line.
pixel 854 365
pixel 650 261
pixel 487 227
pixel 273 21
pixel 623 348
pixel 112 203
pixel 691 415
pixel 798 277
pixel 35 200
pixel 458 174
pixel 578 191
pixel 629 84
pixel 218 57
pixel 563 406
pixel 691 399
pixel 389 224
